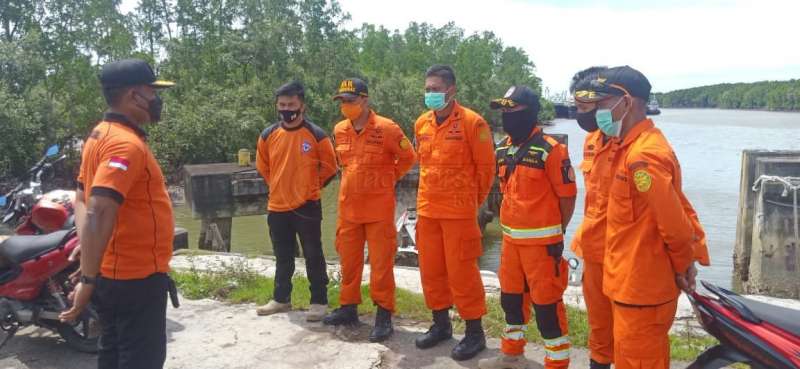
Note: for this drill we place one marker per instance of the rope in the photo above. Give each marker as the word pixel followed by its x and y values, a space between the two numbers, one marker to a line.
pixel 789 184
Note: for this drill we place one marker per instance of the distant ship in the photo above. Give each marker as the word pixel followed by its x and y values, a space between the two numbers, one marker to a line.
pixel 652 106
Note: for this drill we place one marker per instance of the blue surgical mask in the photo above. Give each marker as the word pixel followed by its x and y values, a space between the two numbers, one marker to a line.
pixel 435 100
pixel 606 122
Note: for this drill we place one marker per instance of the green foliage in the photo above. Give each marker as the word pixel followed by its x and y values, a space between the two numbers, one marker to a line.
pixel 767 95
pixel 228 56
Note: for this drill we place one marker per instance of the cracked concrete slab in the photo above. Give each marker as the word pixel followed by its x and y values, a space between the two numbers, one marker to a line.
pixel 206 334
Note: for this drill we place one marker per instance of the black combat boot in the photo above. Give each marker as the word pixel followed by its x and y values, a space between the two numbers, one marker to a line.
pixel 595 365
pixel 441 330
pixel 473 343
pixel 383 326
pixel 345 315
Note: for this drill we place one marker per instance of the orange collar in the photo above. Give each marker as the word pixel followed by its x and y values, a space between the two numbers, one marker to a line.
pixel 370 123
pixel 455 115
pixel 637 130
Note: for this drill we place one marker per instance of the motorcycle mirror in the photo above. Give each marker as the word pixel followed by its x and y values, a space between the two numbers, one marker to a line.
pixel 52 151
pixel 3 201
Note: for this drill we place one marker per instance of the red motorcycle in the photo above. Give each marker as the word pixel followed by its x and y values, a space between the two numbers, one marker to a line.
pixel 758 334
pixel 30 211
pixel 35 264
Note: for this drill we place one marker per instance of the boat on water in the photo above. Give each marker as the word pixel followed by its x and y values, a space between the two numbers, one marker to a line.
pixel 652 106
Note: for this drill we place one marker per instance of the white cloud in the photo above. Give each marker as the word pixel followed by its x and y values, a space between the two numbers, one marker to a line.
pixel 675 46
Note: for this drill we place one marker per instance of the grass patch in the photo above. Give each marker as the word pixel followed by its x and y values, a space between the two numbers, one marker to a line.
pixel 237 284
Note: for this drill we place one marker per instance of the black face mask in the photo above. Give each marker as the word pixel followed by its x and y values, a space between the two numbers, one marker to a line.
pixel 154 107
pixel 519 125
pixel 587 120
pixel 289 116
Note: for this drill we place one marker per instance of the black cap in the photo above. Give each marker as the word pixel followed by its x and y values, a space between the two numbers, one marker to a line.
pixel 613 81
pixel 130 72
pixel 352 87
pixel 517 95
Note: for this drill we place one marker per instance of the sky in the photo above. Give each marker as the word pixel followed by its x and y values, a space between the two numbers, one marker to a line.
pixel 675 43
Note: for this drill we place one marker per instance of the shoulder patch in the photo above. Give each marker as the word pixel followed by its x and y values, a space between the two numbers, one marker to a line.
pixel 643 180
pixel 319 133
pixel 405 144
pixel 484 134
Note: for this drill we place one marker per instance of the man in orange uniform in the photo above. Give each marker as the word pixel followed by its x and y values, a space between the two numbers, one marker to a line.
pixel 456 156
pixel 589 242
pixel 297 160
pixel 374 153
pixel 125 224
pixel 538 185
pixel 652 235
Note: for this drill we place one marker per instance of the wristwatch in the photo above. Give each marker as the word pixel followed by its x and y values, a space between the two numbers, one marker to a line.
pixel 88 280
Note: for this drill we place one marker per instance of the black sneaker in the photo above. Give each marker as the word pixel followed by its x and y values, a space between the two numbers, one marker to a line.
pixel 383 326
pixel 345 315
pixel 472 344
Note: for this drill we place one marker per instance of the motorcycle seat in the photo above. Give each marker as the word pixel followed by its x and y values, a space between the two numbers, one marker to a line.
pixel 781 317
pixel 18 249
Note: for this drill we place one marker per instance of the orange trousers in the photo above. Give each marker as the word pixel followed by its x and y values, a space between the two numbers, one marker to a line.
pixel 641 335
pixel 448 265
pixel 600 312
pixel 535 274
pixel 382 245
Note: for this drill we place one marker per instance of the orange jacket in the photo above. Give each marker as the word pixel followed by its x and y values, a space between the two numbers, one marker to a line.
pixel 597 167
pixel 296 164
pixel 372 161
pixel 117 162
pixel 456 164
pixel 650 236
pixel 530 212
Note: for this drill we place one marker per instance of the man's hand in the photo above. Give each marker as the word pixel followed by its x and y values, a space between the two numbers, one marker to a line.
pixel 687 281
pixel 82 296
pixel 73 257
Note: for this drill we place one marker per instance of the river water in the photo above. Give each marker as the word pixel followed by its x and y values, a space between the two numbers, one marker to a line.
pixel 708 143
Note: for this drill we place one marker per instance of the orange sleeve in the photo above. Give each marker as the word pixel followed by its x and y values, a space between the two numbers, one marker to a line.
pixel 417 127
pixel 403 151
pixel 651 173
pixel 560 173
pixel 327 161
pixel 121 164
pixel 700 246
pixel 484 158
pixel 262 159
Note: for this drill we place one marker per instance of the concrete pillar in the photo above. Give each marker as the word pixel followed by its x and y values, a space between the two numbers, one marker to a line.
pixel 767 255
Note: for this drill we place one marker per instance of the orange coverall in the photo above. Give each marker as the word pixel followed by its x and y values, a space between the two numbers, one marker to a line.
pixel 457 168
pixel 651 235
pixel 372 161
pixel 589 241
pixel 534 177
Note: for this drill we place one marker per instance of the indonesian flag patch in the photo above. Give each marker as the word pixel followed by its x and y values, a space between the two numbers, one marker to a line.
pixel 119 163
